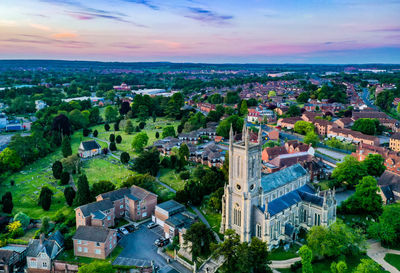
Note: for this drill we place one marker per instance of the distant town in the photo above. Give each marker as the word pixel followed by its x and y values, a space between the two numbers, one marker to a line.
pixel 168 167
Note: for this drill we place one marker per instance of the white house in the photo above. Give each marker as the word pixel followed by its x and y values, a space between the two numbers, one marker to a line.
pixel 89 148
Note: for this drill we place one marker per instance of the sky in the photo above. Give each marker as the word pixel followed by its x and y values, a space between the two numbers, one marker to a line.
pixel 211 31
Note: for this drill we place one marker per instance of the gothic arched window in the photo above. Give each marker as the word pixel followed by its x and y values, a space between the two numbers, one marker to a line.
pixel 237 216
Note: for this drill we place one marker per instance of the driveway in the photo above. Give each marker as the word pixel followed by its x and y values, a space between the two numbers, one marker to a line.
pixel 139 248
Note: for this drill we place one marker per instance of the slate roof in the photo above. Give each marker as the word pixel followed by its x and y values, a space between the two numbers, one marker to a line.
pixel 90 145
pixel 389 182
pixel 58 237
pixel 98 215
pixel 183 219
pixel 134 193
pixel 287 160
pixel 35 247
pixel 96 206
pixel 6 255
pixel 304 193
pixel 282 177
pixel 92 233
pixel 395 136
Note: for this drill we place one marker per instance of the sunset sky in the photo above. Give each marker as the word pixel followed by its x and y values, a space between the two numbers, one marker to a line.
pixel 256 31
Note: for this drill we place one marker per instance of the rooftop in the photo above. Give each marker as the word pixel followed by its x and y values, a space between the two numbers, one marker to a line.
pixel 282 177
pixel 92 233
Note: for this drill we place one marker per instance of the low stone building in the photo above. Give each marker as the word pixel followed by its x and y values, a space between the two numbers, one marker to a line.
pixel 89 148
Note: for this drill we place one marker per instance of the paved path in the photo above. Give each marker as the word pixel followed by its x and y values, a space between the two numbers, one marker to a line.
pixel 284 263
pixel 376 252
pixel 204 220
pixel 108 144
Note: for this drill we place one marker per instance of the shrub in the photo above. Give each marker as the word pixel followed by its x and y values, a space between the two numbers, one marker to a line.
pixel 118 139
pixel 125 157
pixel 184 175
pixel 104 151
pixel 142 124
pixel 69 194
pixel 57 169
pixel 112 138
pixel 112 146
pixel 64 180
pixel 86 132
pixel 23 218
pixel 116 126
pixel 12 182
pixel 106 127
pixel 7 202
pixel 45 198
pixel 95 133
pixel 157 134
pixel 137 129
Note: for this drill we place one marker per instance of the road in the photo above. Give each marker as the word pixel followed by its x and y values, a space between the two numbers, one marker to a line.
pixel 365 97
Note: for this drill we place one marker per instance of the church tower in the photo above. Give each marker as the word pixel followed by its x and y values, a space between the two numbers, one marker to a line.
pixel 243 191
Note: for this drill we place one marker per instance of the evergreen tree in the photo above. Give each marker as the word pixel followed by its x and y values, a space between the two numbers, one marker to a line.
pixel 45 198
pixel 157 134
pixel 306 258
pixel 106 127
pixel 66 147
pixel 64 180
pixel 112 138
pixel 118 139
pixel 83 195
pixel 125 157
pixel 113 146
pixel 7 202
pixel 129 127
pixel 95 133
pixel 57 169
pixel 69 194
pixel 153 115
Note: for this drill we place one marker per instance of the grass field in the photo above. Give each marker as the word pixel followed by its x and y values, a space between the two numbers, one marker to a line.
pixel 68 256
pixel 280 254
pixel 172 179
pixel 393 259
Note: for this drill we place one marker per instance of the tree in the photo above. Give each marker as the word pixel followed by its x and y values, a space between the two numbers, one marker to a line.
pixel 62 125
pixel 118 139
pixel 225 126
pixel 98 267
pixel 157 134
pixel 106 127
pixel 143 113
pixel 366 199
pixel 102 187
pixel 141 180
pixel 125 157
pixel 7 202
pixel 148 162
pixel 384 99
pixel 174 105
pixel 129 127
pixel 153 115
pixel 387 229
pixel 85 132
pixel 294 111
pixel 112 146
pixel 340 267
pixel 142 124
pixel 200 238
pixel 184 152
pixel 303 97
pixel 64 179
pixel 69 194
pixel 335 240
pixel 112 137
pixel 77 119
pixel 243 108
pixel 15 229
pixel 66 147
pixel 311 138
pixel 228 249
pixel 10 160
pixel 271 94
pixel 83 194
pixel 306 258
pixel 303 127
pixel 110 114
pixel 116 126
pixel 94 116
pixel 95 133
pixel 168 131
pixel 368 266
pixel 57 169
pixel 125 108
pixel 350 171
pixel 44 228
pixel 365 126
pixel 71 164
pixel 23 219
pixel 374 164
pixel 139 141
pixel 45 198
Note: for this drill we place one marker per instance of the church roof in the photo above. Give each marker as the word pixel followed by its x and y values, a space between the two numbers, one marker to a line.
pixel 304 193
pixel 282 177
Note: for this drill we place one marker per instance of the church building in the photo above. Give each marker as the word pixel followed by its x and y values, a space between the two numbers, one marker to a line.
pixel 272 207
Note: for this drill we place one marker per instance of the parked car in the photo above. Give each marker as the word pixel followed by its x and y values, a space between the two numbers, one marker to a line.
pixel 130 228
pixel 151 225
pixel 123 230
pixel 161 242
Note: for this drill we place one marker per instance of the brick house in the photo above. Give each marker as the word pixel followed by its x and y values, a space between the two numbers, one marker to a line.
pixel 94 242
pixel 173 216
pixel 344 123
pixel 101 213
pixel 309 116
pixel 352 136
pixel 323 126
pixel 281 110
pixel 273 135
pixel 394 143
pixel 135 203
pixel 288 123
pixel 270 153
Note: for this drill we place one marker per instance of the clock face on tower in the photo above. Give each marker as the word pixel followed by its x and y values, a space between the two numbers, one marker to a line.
pixel 238 187
pixel 252 187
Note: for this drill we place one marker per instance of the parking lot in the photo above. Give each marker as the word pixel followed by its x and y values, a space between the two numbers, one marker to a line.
pixel 139 248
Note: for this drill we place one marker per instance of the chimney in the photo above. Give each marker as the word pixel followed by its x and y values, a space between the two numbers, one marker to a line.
pixel 41 238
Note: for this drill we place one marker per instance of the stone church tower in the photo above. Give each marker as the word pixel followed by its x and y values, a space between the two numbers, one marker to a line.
pixel 243 191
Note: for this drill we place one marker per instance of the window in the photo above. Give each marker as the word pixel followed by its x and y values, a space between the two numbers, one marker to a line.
pixel 237 216
pixel 109 218
pixel 34 264
pixel 317 219
pixel 258 230
pixel 79 249
pixel 85 250
pixel 97 251
pixel 122 206
pixel 79 242
pixel 305 216
pixel 97 244
pixel 110 246
pixel 44 265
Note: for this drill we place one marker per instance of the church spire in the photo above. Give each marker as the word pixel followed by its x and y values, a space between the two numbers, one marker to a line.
pixel 231 135
pixel 260 136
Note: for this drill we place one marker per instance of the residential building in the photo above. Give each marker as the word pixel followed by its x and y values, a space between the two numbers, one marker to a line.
pixel 272 207
pixel 389 183
pixel 288 123
pixel 94 242
pixel 41 252
pixel 134 203
pixel 12 258
pixel 352 136
pixel 100 213
pixel 270 153
pixel 89 148
pixel 394 142
pixel 323 126
pixel 172 217
pixel 344 123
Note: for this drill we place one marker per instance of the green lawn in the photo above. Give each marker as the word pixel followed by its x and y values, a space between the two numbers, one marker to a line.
pixel 280 254
pixel 163 193
pixel 212 217
pixel 172 179
pixel 393 259
pixel 68 256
